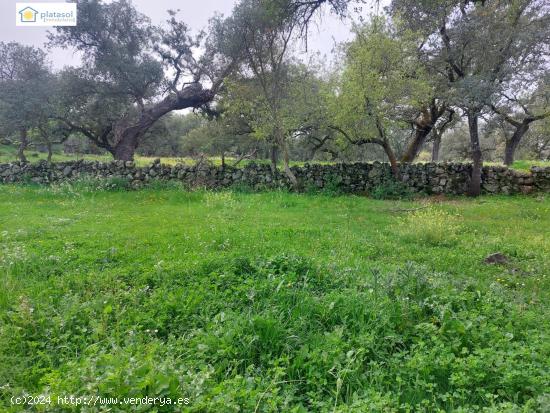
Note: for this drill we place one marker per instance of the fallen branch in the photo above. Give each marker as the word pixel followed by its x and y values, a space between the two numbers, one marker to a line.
pixel 244 156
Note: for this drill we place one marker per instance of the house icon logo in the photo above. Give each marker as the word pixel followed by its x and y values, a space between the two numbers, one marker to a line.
pixel 28 15
pixel 45 14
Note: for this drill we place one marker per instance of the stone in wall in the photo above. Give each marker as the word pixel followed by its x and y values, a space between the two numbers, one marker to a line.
pixel 540 178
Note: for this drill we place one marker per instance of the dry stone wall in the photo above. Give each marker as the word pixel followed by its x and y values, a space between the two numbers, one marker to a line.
pixel 429 178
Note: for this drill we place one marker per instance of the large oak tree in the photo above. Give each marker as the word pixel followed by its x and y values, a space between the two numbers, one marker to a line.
pixel 133 73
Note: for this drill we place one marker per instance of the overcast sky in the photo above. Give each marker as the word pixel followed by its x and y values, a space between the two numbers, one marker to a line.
pixel 327 30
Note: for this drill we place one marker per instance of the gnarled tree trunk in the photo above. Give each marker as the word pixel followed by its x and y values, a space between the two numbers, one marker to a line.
pixel 128 141
pixel 127 134
pixel 521 126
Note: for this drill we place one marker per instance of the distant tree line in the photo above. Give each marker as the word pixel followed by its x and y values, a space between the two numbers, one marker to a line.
pixel 428 79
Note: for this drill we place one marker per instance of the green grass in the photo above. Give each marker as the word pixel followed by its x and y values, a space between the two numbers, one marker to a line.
pixel 9 154
pixel 522 165
pixel 273 301
pixel 526 165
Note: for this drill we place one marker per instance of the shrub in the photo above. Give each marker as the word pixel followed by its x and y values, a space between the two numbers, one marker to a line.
pixel 392 190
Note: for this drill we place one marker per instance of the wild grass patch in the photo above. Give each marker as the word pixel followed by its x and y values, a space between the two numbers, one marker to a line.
pixel 297 303
pixel 431 226
pixel 310 339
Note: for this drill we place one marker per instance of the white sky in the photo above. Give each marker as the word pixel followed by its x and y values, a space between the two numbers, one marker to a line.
pixel 327 31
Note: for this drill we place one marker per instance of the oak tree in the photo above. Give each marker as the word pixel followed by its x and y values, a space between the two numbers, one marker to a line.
pixel 133 73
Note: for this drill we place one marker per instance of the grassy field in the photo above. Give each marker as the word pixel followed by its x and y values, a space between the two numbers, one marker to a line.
pixel 274 302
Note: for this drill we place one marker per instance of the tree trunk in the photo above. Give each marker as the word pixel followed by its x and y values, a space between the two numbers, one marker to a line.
pixel 435 147
pixel 423 126
pixel 286 162
pixel 475 183
pixel 273 158
pixel 128 141
pixel 513 143
pixel 223 159
pixel 283 144
pixel 393 160
pixel 124 152
pixel 414 147
pixel 49 146
pixel 22 145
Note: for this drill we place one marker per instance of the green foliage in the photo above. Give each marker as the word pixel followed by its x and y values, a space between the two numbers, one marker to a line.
pixel 381 84
pixel 26 89
pixel 218 137
pixel 298 108
pixel 167 135
pixel 274 301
